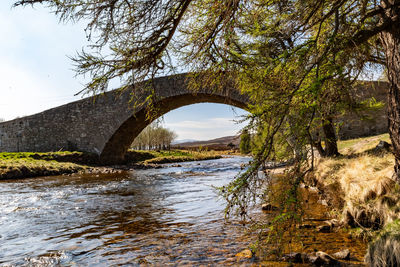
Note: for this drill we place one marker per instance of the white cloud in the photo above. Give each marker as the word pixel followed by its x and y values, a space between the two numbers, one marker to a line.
pixel 204 124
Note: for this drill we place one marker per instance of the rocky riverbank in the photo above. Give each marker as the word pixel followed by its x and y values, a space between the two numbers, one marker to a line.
pixel 318 239
pixel 349 211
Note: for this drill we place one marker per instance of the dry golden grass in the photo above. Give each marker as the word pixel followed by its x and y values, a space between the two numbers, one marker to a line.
pixel 371 197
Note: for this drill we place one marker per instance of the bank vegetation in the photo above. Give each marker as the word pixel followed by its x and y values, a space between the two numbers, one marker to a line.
pixel 17 165
pixel 363 195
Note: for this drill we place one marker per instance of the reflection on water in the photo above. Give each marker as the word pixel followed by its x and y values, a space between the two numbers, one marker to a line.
pixel 159 216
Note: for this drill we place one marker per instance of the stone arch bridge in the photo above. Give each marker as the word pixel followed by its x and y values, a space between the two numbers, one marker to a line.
pixel 106 124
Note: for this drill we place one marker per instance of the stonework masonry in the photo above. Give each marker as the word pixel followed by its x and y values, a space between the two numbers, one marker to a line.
pixel 366 123
pixel 107 124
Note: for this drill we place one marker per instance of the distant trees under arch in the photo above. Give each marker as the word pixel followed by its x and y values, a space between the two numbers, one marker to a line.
pixel 154 137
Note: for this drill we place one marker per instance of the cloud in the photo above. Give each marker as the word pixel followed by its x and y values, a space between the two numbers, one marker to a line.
pixel 204 124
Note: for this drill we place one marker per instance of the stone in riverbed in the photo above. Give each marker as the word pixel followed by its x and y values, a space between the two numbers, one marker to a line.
pixel 318 259
pixel 324 228
pixel 306 226
pixel 268 207
pixel 295 257
pixel 342 255
pixel 176 165
pixel 323 259
pixel 245 254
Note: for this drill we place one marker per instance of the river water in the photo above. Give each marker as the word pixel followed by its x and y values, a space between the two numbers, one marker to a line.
pixel 168 216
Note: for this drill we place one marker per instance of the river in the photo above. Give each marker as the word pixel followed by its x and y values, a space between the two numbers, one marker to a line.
pixel 167 216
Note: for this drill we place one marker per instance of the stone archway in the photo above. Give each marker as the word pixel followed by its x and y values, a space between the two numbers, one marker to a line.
pixel 116 147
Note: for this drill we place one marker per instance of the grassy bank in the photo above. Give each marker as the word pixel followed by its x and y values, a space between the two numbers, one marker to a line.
pixel 359 184
pixel 170 156
pixel 27 164
pixel 362 194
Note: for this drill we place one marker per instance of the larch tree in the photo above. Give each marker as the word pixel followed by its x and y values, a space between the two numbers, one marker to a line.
pixel 296 59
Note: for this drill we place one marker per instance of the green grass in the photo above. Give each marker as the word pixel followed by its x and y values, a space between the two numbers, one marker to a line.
pixel 27 164
pixel 359 145
pixel 168 156
pixel 30 164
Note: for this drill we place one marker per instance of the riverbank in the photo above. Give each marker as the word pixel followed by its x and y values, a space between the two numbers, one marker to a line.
pixel 358 185
pixel 358 205
pixel 312 240
pixel 348 204
pixel 362 194
pixel 29 164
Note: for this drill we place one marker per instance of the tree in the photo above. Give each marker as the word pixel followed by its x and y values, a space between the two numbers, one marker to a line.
pixel 297 60
pixel 318 42
pixel 231 145
pixel 288 55
pixel 244 145
pixel 154 137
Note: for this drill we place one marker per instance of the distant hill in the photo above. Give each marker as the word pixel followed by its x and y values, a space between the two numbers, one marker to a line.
pixel 183 141
pixel 217 144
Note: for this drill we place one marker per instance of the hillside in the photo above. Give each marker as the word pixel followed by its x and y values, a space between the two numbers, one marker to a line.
pixel 218 143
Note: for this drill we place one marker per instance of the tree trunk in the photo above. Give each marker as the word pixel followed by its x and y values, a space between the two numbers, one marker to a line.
pixel 391 43
pixel 319 147
pixel 331 148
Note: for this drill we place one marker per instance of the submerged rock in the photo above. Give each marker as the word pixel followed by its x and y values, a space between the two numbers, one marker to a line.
pixel 324 228
pixel 306 226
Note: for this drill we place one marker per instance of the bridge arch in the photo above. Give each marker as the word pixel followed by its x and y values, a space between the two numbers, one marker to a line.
pixel 119 143
pixel 107 124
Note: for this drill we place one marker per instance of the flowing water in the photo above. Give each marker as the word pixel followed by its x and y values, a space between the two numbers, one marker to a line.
pixel 168 216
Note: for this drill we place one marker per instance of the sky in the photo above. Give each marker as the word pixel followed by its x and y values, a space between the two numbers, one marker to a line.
pixel 36 74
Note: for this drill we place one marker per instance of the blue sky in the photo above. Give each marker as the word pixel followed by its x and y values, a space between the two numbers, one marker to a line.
pixel 36 74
